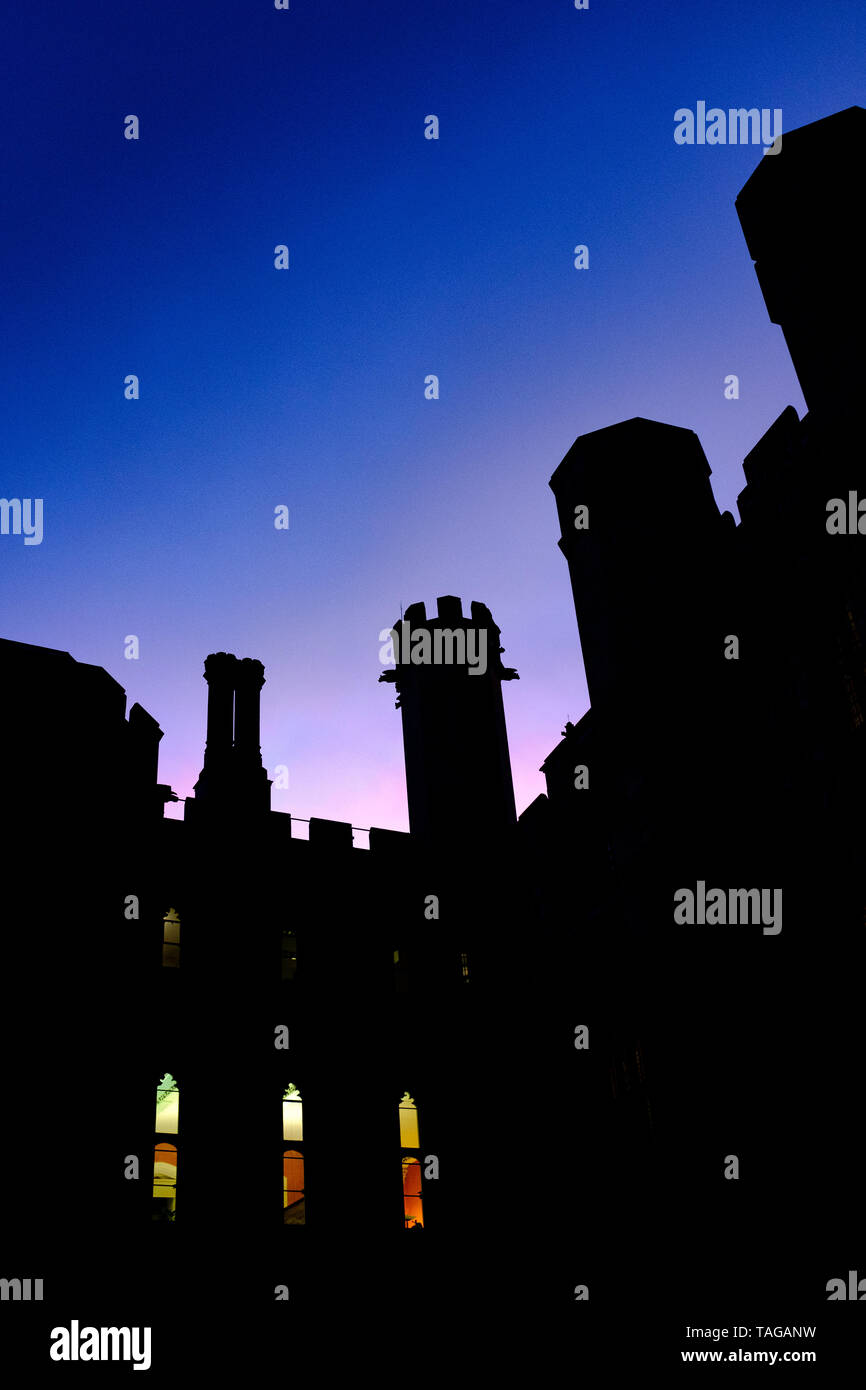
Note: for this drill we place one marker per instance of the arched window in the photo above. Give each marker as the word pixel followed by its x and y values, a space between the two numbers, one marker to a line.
pixel 294 1212
pixel 410 1143
pixel 293 1113
pixel 413 1214
pixel 167 1105
pixel 164 1154
pixel 408 1123
pixel 171 938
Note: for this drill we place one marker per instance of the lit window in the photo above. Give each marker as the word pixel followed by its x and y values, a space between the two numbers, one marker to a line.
pixel 164 1182
pixel 293 1113
pixel 464 965
pixel 171 938
pixel 408 1122
pixel 293 1159
pixel 293 1188
pixel 165 1155
pixel 167 1105
pixel 412 1201
pixel 409 1139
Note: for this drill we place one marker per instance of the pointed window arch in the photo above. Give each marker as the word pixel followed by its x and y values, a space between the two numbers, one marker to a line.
pixel 413 1208
pixel 166 1121
pixel 408 1123
pixel 293 1113
pixel 294 1205
pixel 410 1143
pixel 167 1105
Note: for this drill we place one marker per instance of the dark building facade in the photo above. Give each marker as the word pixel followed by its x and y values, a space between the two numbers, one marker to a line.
pixel 484 1061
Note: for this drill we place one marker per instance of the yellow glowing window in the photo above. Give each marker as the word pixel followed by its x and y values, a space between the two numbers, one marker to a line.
pixel 171 938
pixel 293 1188
pixel 408 1123
pixel 412 1201
pixel 164 1182
pixel 167 1105
pixel 293 1113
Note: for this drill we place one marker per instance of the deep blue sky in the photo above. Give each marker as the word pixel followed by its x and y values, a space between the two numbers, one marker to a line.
pixel 306 387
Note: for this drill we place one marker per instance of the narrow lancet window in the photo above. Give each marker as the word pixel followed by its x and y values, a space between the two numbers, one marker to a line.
pixel 294 1213
pixel 410 1143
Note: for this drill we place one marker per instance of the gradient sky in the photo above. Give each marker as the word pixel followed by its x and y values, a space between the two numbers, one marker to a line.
pixel 306 387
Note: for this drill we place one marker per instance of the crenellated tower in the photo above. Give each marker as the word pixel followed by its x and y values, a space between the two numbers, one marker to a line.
pixel 449 673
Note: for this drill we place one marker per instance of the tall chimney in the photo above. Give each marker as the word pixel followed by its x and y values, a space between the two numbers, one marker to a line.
pixel 232 778
pixel 219 672
pixel 252 785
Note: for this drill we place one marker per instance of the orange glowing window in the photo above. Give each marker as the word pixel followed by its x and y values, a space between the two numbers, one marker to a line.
pixel 413 1214
pixel 293 1187
pixel 164 1182
pixel 410 1140
pixel 293 1158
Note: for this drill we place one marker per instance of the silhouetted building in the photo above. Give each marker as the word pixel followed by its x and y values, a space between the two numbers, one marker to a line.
pixel 394 1038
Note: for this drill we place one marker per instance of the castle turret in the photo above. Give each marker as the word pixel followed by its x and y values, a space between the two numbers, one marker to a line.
pixel 800 216
pixel 449 678
pixel 640 532
pixel 647 556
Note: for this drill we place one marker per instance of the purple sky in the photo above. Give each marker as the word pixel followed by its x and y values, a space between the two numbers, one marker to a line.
pixel 306 387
